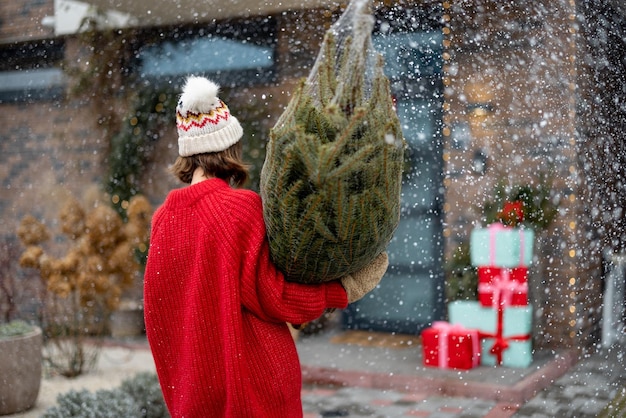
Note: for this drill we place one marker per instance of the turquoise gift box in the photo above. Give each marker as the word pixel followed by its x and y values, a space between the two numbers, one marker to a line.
pixel 516 330
pixel 501 246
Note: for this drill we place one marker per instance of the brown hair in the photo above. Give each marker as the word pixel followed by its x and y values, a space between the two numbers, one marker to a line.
pixel 226 165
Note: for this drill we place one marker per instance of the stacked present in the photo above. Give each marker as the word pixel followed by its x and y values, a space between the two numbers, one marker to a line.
pixel 498 325
pixel 451 346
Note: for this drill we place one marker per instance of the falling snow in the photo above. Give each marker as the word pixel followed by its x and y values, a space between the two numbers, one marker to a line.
pixel 491 95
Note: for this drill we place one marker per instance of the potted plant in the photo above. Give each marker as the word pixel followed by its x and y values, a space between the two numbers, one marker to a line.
pixel 20 366
pixel 20 343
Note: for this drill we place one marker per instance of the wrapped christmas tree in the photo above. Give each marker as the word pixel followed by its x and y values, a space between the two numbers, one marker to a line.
pixel 331 179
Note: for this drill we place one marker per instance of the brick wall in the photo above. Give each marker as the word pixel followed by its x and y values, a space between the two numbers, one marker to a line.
pixel 21 20
pixel 602 140
pixel 530 67
pixel 47 149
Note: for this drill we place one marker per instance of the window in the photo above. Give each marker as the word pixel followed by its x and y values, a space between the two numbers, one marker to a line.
pixel 31 71
pixel 231 54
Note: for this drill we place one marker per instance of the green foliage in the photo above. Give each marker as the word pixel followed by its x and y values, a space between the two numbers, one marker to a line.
pixel 101 404
pixel 540 206
pixel 130 140
pixel 14 328
pixel 139 396
pixel 332 174
pixel 462 278
pixel 133 145
pixel 145 390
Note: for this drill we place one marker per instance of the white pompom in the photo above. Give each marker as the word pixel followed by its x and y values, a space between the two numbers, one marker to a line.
pixel 199 95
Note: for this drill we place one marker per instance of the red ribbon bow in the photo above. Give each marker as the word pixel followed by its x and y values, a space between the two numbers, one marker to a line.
pixel 502 343
pixel 503 288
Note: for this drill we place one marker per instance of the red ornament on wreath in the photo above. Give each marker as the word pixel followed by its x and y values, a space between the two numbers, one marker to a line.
pixel 512 213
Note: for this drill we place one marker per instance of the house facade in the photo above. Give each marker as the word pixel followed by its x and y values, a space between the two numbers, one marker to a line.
pixel 488 93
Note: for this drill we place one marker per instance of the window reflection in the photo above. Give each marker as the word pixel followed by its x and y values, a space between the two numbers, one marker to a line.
pixel 230 53
pixel 204 55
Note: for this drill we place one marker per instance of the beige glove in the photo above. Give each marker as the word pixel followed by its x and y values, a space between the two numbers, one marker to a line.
pixel 360 283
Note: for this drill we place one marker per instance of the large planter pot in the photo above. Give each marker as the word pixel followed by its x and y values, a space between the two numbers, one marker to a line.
pixel 20 371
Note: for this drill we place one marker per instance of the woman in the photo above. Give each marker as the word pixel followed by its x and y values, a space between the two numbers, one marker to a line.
pixel 216 307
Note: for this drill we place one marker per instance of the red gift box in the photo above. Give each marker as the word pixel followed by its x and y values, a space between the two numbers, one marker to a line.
pixel 450 346
pixel 508 287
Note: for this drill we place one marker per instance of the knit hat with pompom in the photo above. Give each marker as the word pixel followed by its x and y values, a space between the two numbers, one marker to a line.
pixel 203 121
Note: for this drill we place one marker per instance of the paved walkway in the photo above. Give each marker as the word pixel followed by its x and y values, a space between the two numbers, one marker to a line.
pixel 363 402
pixel 359 379
pixel 352 380
pixel 585 390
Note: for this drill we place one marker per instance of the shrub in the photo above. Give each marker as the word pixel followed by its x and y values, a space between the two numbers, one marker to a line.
pixel 85 285
pixel 139 396
pixel 144 388
pixel 101 404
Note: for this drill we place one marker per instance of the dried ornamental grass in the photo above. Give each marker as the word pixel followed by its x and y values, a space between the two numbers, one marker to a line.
pixel 31 231
pixel 101 261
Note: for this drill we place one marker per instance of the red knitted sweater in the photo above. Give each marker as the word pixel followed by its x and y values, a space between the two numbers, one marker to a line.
pixel 216 308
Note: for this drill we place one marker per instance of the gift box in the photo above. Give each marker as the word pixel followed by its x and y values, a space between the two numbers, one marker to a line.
pixel 450 346
pixel 501 246
pixel 497 285
pixel 505 332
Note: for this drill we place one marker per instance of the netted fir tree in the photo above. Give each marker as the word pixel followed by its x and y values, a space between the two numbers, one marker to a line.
pixel 331 180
